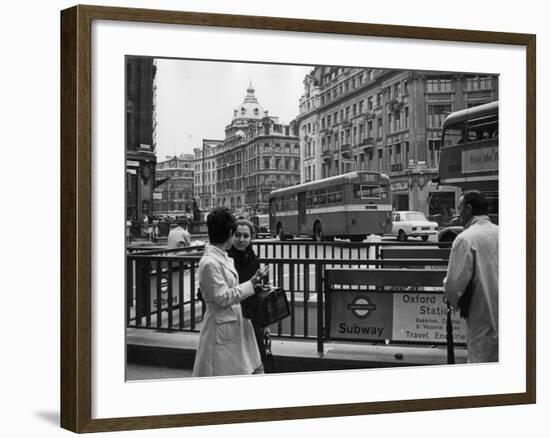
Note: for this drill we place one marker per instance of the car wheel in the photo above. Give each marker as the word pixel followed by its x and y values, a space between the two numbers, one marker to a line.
pixel 402 236
pixel 447 238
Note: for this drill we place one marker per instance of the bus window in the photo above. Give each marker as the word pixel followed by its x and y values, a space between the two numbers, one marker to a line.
pixel 483 129
pixel 289 202
pixel 336 197
pixel 472 135
pixel 370 192
pixel 320 196
pixel 334 194
pixel 454 134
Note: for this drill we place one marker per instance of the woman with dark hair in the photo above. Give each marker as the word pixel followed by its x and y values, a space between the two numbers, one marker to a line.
pixel 227 345
pixel 247 263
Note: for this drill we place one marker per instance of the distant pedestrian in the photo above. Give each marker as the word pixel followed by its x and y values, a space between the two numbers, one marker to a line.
pixel 129 231
pixel 471 284
pixel 179 237
pixel 164 227
pixel 247 264
pixel 156 230
pixel 227 345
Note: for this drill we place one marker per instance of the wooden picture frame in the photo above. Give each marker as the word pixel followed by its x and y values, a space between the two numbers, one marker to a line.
pixel 76 217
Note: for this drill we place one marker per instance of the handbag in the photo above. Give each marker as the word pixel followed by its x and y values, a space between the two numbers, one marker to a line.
pixel 269 305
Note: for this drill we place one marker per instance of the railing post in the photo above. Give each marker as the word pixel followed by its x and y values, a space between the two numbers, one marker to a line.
pixel 192 296
pixel 181 296
pixel 305 300
pixel 129 288
pixel 291 275
pixel 319 289
pixel 280 283
pixel 143 289
pixel 158 293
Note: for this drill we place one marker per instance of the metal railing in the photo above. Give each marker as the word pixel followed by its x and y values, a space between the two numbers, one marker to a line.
pixel 162 285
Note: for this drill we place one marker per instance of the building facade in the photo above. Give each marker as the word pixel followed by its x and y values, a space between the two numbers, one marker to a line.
pixel 174 192
pixel 205 174
pixel 140 144
pixel 258 155
pixel 388 121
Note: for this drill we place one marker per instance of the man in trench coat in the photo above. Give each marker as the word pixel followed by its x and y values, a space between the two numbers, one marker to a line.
pixel 471 284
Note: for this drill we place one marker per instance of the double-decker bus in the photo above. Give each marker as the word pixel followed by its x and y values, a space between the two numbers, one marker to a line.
pixel 469 156
pixel 350 205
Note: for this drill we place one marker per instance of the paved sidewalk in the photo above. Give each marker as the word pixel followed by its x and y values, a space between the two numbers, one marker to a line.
pixel 176 350
pixel 150 372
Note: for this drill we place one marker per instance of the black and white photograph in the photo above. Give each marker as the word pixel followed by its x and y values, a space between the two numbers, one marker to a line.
pixel 287 218
pixel 275 219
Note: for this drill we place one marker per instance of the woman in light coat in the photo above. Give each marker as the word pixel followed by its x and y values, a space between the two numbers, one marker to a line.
pixel 227 345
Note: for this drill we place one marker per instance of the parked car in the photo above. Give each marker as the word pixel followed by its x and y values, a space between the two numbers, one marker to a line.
pixel 412 224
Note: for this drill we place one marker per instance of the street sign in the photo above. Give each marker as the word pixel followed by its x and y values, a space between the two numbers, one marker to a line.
pixel 399 185
pixel 360 315
pixel 423 317
pixel 390 315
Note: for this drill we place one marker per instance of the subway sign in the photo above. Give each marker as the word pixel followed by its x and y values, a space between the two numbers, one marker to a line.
pixel 422 317
pixel 403 316
pixel 358 315
pixel 165 300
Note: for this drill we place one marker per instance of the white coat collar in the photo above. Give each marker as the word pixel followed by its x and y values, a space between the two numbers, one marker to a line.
pixel 221 256
pixel 476 219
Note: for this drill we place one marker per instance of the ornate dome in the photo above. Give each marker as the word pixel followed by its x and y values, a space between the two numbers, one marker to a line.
pixel 250 108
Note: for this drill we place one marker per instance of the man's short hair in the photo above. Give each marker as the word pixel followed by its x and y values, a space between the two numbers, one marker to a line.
pixel 221 223
pixel 477 201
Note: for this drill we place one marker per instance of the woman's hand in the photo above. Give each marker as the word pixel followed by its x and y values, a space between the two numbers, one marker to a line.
pixel 259 276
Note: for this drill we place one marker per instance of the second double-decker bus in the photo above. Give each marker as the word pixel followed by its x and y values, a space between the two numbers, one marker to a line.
pixel 350 205
pixel 469 156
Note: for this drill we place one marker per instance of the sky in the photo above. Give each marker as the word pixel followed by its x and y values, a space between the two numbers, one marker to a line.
pixel 195 99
